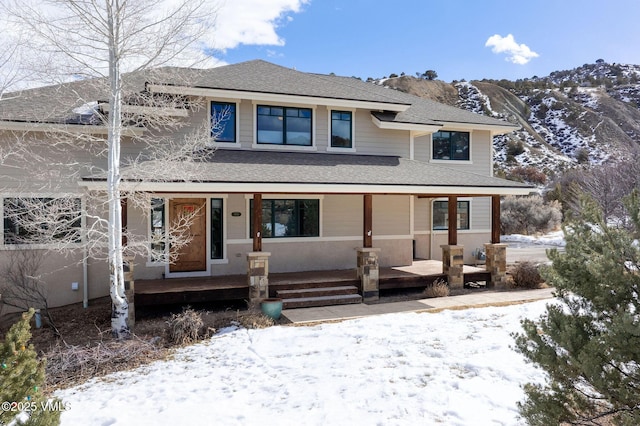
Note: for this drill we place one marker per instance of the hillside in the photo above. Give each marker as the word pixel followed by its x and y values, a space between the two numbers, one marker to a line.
pixel 586 116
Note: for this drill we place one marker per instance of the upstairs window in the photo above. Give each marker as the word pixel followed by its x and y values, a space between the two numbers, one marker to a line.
pixel 289 218
pixel 341 129
pixel 450 145
pixel 223 121
pixel 42 220
pixel 284 125
pixel 441 215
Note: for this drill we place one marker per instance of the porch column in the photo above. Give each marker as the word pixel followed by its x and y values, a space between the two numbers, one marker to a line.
pixel 258 275
pixel 369 273
pixel 496 263
pixel 129 290
pixel 453 220
pixel 453 264
pixel 123 219
pixel 257 222
pixel 367 212
pixel 495 219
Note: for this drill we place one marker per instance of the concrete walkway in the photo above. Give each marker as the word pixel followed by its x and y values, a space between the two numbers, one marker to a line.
pixel 476 299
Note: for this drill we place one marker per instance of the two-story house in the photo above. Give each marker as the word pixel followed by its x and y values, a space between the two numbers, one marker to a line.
pixel 311 172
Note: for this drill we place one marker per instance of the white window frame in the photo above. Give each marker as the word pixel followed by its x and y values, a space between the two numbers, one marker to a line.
pixel 210 262
pixel 452 162
pixel 444 231
pixel 52 246
pixel 276 147
pixel 353 130
pixel 236 102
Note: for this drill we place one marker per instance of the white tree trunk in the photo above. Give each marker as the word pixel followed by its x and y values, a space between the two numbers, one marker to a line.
pixel 120 310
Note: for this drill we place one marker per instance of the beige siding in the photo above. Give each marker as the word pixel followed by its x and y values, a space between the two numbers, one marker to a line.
pixel 245 117
pixel 322 127
pixel 371 140
pixel 481 213
pixel 422 215
pixel 391 215
pixel 236 226
pixel 481 153
pixel 342 215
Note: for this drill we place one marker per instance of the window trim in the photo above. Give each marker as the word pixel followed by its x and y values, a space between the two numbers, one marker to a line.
pixel 319 197
pixel 284 147
pixel 444 200
pixel 208 197
pixel 331 148
pixel 236 124
pixel 45 246
pixel 451 161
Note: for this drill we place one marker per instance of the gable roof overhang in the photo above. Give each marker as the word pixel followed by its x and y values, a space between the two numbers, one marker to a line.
pixel 27 126
pixel 244 171
pixel 276 97
pixel 388 120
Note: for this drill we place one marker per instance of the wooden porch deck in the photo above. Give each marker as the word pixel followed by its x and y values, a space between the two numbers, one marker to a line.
pixel 234 287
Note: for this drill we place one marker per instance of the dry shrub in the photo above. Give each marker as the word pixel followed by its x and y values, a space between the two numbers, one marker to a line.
pixel 71 365
pixel 526 275
pixel 438 288
pixel 185 327
pixel 255 319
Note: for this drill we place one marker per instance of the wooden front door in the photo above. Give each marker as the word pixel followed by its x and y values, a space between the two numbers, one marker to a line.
pixel 193 256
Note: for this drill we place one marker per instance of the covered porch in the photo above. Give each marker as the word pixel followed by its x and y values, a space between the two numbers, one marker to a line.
pixel 364 212
pixel 419 275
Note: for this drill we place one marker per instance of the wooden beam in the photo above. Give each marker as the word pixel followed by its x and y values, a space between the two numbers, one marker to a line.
pixel 453 220
pixel 257 222
pixel 495 219
pixel 367 231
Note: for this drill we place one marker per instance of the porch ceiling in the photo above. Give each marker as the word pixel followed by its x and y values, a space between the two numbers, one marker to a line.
pixel 297 172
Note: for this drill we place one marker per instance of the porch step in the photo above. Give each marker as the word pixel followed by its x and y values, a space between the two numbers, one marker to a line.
pixel 307 302
pixel 316 292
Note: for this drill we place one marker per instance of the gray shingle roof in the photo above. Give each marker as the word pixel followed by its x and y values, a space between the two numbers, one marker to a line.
pixel 244 166
pixel 56 103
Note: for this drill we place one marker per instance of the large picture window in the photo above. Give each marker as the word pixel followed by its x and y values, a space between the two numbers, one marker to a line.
pixel 441 215
pixel 450 145
pixel 284 125
pixel 223 121
pixel 42 220
pixel 341 129
pixel 289 218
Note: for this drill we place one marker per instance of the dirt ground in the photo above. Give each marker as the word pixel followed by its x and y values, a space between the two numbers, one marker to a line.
pixel 83 346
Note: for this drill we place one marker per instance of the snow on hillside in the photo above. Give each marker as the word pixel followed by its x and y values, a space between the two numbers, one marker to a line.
pixel 452 367
pixel 556 131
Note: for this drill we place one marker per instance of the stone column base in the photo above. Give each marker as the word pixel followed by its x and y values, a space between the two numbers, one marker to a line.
pixel 453 265
pixel 129 290
pixel 369 273
pixel 258 275
pixel 496 264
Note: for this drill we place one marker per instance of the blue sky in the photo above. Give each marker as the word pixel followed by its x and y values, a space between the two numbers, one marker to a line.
pixel 363 38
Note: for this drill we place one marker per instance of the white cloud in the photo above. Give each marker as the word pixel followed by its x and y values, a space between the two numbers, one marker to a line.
pixel 252 22
pixel 517 53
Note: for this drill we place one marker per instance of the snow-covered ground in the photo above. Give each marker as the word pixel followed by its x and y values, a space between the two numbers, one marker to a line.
pixel 552 239
pixel 452 367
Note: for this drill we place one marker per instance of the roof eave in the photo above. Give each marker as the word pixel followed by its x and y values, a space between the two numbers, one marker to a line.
pixel 310 188
pixel 276 97
pixel 419 129
pixel 25 126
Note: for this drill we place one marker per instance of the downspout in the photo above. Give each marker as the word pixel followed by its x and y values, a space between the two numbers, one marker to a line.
pixel 85 280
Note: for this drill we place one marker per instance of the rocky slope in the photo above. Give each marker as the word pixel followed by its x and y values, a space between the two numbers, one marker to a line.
pixel 585 116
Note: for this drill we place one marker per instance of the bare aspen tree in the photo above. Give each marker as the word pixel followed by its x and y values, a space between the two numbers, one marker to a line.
pixel 97 41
